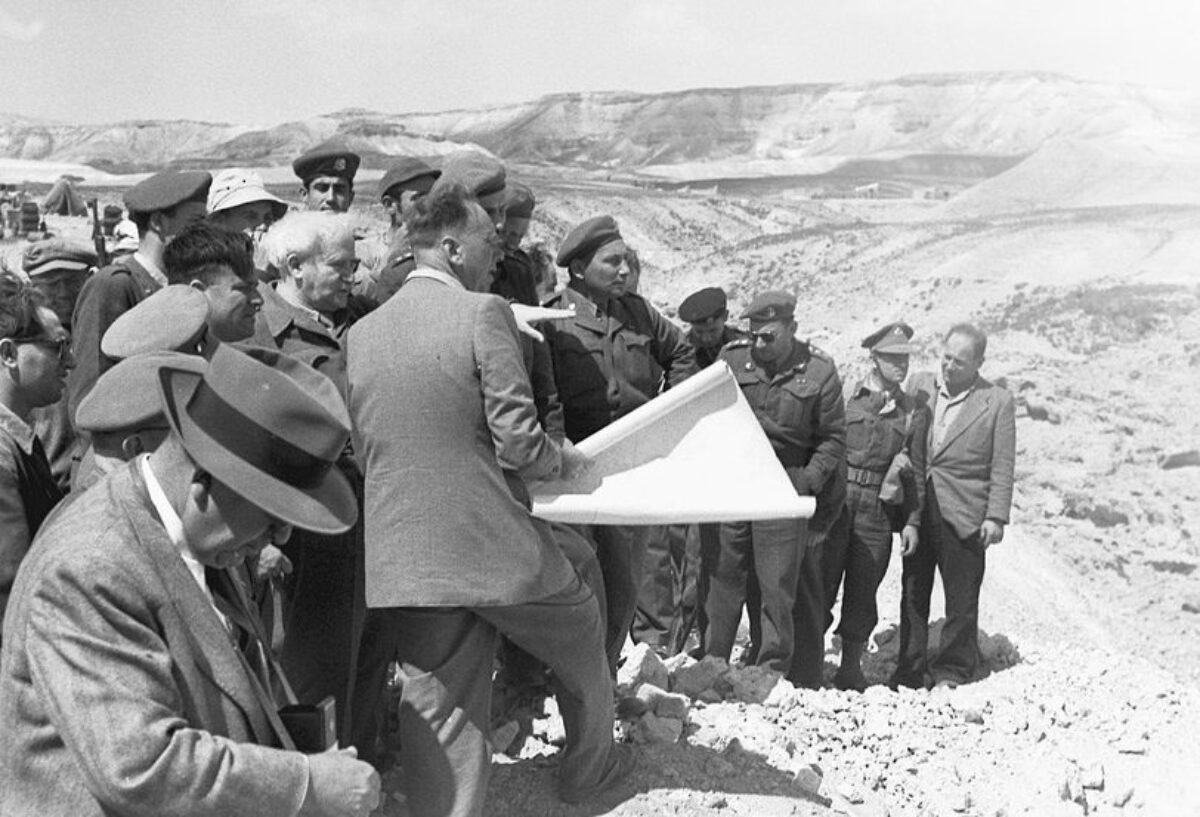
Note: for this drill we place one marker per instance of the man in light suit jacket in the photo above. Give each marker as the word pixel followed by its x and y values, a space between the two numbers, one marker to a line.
pixel 445 423
pixel 969 484
pixel 121 689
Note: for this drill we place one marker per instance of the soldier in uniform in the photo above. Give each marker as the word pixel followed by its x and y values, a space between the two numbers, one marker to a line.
pixel 612 357
pixel 326 174
pixel 484 176
pixel 162 206
pixel 516 278
pixel 388 259
pixel 795 392
pixel 881 423
pixel 667 601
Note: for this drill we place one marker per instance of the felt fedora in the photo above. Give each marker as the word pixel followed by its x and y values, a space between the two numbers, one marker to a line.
pixel 268 427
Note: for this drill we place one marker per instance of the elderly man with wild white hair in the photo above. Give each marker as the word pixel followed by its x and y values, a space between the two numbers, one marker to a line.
pixel 306 313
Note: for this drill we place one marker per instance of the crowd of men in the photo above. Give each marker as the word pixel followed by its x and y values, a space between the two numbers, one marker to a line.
pixel 257 466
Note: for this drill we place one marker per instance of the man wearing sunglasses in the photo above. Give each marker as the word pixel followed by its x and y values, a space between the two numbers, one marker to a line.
pixel 35 355
pixel 796 393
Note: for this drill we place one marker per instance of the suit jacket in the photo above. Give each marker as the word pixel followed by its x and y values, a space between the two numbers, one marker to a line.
pixel 107 295
pixel 446 428
pixel 971 472
pixel 120 691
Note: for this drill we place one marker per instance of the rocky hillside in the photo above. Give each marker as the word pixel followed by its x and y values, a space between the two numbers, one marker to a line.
pixel 702 133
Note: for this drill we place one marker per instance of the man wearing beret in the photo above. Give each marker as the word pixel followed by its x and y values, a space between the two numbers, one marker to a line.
pixel 454 557
pixel 484 177
pixel 882 424
pixel 795 392
pixel 612 357
pixel 667 601
pixel 326 174
pixel 58 268
pixel 162 206
pixel 122 689
pixel 388 259
pixel 968 496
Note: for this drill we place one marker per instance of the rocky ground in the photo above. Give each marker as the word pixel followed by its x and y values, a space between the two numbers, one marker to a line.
pixel 1091 605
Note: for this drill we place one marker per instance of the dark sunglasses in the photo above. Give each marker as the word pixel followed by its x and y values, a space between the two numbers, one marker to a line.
pixel 63 344
pixel 767 336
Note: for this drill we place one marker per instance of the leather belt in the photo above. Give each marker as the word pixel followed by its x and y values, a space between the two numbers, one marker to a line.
pixel 861 476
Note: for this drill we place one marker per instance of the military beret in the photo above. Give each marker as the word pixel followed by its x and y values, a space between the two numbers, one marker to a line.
pixel 892 339
pixel 481 174
pixel 127 395
pixel 773 305
pixel 519 200
pixel 586 238
pixel 164 322
pixel 330 158
pixel 702 305
pixel 162 191
pixel 54 254
pixel 408 173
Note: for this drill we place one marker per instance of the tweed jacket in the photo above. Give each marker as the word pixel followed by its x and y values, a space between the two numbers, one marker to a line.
pixel 120 691
pixel 106 296
pixel 446 428
pixel 971 472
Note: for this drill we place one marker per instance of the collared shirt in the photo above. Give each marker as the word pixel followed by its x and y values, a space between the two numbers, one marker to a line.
pixel 174 527
pixel 436 275
pixel 946 409
pixel 154 269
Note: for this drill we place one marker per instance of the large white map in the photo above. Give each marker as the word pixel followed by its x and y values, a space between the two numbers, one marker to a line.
pixel 695 453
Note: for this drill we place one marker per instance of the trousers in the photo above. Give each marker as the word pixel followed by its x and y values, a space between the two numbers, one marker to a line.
pixel 666 608
pixel 856 560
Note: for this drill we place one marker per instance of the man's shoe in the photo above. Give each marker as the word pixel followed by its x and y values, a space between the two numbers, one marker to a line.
pixel 621 763
pixel 850 680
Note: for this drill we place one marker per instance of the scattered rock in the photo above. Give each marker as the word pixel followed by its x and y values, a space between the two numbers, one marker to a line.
pixel 1099 513
pixel 754 684
pixel 1179 459
pixel 694 679
pixel 1191 605
pixel 1092 777
pixel 664 704
pixel 653 729
pixel 642 666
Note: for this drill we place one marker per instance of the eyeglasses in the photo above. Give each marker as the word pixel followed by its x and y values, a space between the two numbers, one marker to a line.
pixel 63 344
pixel 767 336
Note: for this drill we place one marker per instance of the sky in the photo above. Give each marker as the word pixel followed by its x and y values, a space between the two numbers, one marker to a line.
pixel 263 62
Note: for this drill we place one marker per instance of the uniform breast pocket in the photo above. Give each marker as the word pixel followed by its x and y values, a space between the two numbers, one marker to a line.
pixel 636 364
pixel 797 403
pixel 858 429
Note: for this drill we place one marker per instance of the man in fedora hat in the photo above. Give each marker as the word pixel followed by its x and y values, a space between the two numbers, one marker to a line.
pixel 121 689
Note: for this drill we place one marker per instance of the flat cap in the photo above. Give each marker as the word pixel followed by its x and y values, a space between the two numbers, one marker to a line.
pixel 331 158
pixel 162 191
pixel 772 305
pixel 702 305
pixel 587 237
pixel 233 188
pixel 519 200
pixel 126 397
pixel 481 174
pixel 408 173
pixel 892 339
pixel 164 322
pixel 52 254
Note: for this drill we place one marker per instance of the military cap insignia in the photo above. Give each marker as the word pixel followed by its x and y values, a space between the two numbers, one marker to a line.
pixel 339 164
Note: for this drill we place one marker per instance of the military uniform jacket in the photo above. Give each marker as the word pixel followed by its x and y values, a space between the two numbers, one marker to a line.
pixel 801 412
pixel 108 294
pixel 607 364
pixel 445 424
pixel 120 689
pixel 874 439
pixel 515 279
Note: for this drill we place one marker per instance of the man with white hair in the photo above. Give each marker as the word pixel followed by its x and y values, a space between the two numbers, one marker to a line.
pixel 306 313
